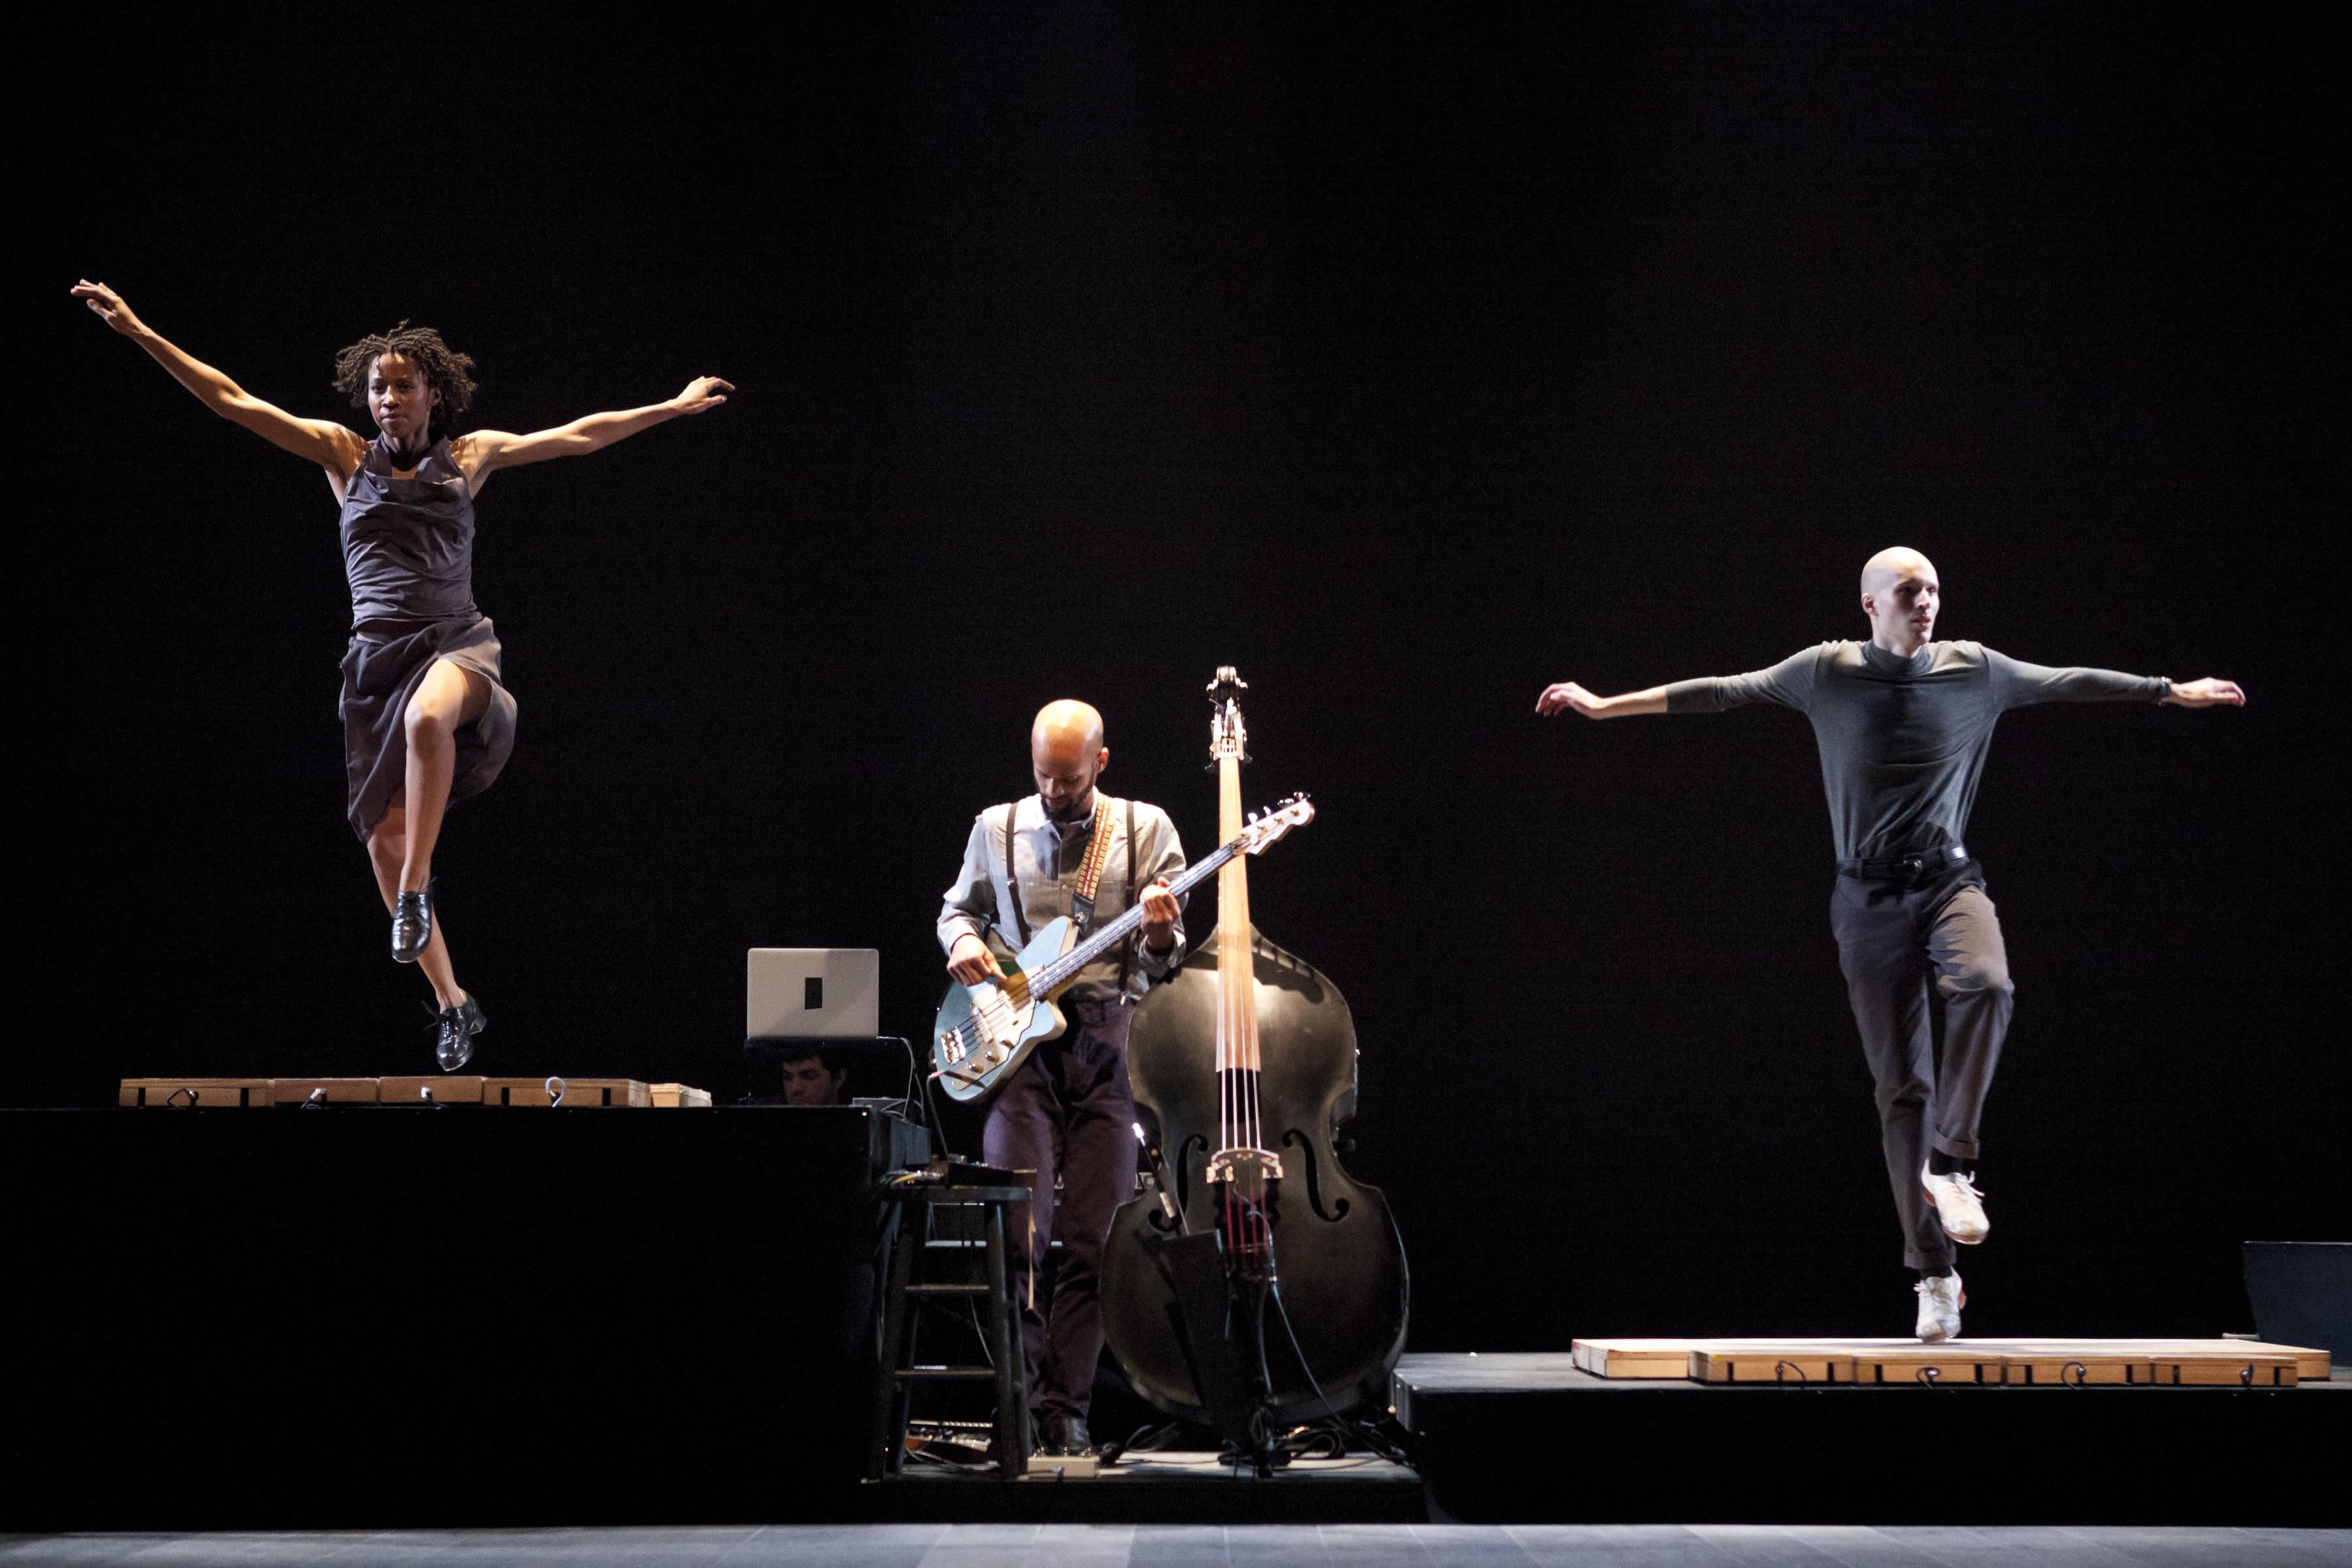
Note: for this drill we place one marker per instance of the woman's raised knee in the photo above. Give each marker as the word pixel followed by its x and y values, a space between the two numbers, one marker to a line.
pixel 427 724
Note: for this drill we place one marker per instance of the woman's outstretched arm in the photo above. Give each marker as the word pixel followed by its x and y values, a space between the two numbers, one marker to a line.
pixel 484 452
pixel 331 445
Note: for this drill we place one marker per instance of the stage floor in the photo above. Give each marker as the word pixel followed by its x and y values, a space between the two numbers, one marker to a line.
pixel 1214 1546
pixel 1155 1489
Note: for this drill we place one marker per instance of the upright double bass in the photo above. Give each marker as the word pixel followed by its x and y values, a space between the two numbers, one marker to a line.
pixel 1261 1286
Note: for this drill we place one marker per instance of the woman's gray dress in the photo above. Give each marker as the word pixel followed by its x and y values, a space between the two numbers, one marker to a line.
pixel 408 552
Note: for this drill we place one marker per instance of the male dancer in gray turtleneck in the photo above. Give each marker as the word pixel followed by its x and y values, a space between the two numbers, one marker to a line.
pixel 1904 725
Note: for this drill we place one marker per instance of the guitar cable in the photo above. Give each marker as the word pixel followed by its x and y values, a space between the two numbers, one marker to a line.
pixel 932 1109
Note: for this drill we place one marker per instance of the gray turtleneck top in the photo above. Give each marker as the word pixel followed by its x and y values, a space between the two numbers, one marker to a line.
pixel 1903 741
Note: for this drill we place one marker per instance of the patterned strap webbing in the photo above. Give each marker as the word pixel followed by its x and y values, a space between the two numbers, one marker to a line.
pixel 1090 870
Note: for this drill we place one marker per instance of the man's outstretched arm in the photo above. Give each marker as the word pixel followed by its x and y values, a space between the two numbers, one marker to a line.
pixel 1567 695
pixel 2205 693
pixel 2017 684
pixel 1788 683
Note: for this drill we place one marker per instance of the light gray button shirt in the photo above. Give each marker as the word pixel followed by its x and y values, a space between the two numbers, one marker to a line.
pixel 1050 856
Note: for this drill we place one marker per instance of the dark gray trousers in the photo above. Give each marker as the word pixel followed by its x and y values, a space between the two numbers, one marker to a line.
pixel 1892 937
pixel 1068 1110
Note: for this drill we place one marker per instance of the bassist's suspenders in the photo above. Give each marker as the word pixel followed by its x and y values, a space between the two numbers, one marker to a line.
pixel 1127 948
pixel 1088 879
pixel 1012 874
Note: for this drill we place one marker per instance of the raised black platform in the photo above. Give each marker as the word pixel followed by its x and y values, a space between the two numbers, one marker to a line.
pixel 1524 1438
pixel 386 1316
pixel 382 1316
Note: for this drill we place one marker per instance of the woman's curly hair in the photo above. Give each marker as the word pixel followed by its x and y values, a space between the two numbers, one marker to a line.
pixel 445 369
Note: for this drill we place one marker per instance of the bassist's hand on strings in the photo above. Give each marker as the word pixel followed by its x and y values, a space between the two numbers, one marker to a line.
pixel 969 962
pixel 1161 913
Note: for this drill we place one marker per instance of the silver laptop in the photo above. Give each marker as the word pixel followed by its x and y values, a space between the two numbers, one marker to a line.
pixel 811 993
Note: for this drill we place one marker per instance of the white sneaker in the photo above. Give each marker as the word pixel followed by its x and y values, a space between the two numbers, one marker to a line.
pixel 1958 1205
pixel 1940 1300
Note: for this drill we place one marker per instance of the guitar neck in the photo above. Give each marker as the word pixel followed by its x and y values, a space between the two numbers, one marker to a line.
pixel 1043 983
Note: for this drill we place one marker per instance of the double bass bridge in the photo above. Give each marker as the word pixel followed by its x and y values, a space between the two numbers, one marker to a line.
pixel 1227 1163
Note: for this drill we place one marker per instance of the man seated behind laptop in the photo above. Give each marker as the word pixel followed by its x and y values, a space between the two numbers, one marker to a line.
pixel 814 1075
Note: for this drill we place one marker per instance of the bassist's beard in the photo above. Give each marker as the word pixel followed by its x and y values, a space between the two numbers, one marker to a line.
pixel 1077 811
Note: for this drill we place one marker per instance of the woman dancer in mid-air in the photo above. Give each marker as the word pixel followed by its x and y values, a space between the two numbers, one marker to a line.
pixel 426 720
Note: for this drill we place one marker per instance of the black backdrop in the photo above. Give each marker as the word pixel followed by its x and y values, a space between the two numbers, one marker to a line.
pixel 1406 361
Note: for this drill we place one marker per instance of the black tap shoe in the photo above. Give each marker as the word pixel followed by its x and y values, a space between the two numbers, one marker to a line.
pixel 412 925
pixel 459 1025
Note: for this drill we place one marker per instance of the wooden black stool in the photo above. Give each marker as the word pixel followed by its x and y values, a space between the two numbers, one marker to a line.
pixel 919 1261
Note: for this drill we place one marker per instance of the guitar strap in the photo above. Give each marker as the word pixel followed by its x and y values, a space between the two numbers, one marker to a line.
pixel 1089 879
pixel 1082 901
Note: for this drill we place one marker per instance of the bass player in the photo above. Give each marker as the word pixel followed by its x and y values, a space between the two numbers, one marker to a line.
pixel 1068 850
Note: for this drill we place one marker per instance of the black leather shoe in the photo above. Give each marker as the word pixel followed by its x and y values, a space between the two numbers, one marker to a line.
pixel 412 925
pixel 1065 1436
pixel 459 1025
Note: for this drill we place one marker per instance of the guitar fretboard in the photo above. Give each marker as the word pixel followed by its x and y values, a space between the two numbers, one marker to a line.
pixel 1043 983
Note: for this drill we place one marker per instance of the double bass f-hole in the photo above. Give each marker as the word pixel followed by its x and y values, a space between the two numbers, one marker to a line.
pixel 1338 1211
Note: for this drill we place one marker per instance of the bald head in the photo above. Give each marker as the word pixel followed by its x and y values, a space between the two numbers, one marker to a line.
pixel 1891 565
pixel 1901 597
pixel 1065 752
pixel 1067 725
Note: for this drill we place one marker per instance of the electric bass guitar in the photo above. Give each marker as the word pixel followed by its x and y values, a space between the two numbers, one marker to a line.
pixel 985 1032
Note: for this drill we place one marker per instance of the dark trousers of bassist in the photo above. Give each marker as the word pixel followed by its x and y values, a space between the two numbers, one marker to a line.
pixel 1067 1111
